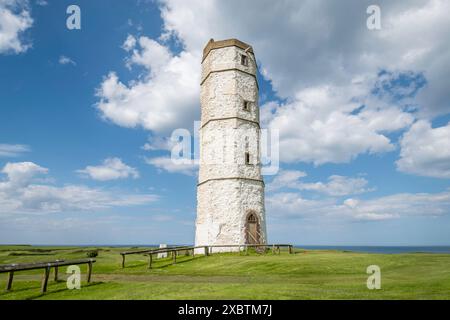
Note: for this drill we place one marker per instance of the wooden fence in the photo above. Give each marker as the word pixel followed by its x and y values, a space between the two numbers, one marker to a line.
pixel 208 250
pixel 16 267
pixel 172 250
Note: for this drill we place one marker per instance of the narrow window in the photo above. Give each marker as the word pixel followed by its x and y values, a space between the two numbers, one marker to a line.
pixel 246 105
pixel 244 60
pixel 247 158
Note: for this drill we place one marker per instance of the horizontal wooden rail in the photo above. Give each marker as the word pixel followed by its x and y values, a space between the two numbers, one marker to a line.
pixel 155 250
pixel 172 250
pixel 40 265
pixel 207 250
pixel 16 267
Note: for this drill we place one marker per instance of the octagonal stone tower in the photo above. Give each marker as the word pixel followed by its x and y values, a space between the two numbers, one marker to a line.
pixel 230 191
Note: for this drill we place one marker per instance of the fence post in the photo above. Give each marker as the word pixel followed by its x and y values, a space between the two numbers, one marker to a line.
pixel 89 271
pixel 10 280
pixel 56 274
pixel 290 249
pixel 150 260
pixel 206 251
pixel 45 279
pixel 174 256
pixel 123 260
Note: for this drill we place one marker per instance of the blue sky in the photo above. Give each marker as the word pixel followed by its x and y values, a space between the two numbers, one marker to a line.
pixel 85 115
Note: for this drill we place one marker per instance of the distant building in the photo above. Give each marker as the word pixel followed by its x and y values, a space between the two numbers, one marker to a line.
pixel 230 192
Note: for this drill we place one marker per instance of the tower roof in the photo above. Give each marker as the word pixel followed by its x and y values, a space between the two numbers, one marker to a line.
pixel 211 45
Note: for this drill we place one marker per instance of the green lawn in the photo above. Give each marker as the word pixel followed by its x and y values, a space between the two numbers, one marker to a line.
pixel 303 275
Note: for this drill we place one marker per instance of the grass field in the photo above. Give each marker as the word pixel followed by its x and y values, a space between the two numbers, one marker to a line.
pixel 303 275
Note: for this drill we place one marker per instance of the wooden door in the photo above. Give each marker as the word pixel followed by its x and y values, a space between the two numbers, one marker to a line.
pixel 252 229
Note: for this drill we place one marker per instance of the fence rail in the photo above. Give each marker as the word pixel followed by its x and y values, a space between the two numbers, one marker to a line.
pixel 208 250
pixel 16 267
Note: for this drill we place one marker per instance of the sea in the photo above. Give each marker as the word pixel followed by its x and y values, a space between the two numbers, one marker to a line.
pixel 382 249
pixel 364 249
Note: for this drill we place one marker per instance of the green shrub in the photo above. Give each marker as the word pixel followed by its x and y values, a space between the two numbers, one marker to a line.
pixel 92 253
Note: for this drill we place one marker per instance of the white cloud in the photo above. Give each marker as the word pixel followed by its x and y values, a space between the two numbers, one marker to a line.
pixel 321 57
pixel 164 99
pixel 285 179
pixel 158 143
pixel 15 19
pixel 23 192
pixel 20 174
pixel 13 150
pixel 41 3
pixel 321 126
pixel 110 169
pixel 338 186
pixel 292 205
pixel 400 205
pixel 129 43
pixel 66 60
pixel 287 205
pixel 335 186
pixel 425 150
pixel 187 167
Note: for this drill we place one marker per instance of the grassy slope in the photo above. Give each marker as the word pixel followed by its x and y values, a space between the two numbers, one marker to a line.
pixel 310 275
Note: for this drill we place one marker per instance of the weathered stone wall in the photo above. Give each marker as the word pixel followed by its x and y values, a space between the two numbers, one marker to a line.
pixel 223 145
pixel 222 208
pixel 229 188
pixel 224 88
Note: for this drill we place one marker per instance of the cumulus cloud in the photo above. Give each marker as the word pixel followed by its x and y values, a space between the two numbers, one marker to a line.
pixel 66 60
pixel 167 96
pixel 41 3
pixel 328 67
pixel 13 150
pixel 110 169
pixel 129 43
pixel 335 186
pixel 321 125
pixel 23 191
pixel 20 173
pixel 338 186
pixel 187 167
pixel 317 42
pixel 158 143
pixel 344 88
pixel 293 205
pixel 399 205
pixel 15 19
pixel 285 179
pixel 425 150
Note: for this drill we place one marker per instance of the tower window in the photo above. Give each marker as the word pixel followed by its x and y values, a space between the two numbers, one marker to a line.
pixel 246 105
pixel 244 60
pixel 247 158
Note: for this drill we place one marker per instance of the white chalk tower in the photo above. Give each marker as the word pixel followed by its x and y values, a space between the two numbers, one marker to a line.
pixel 230 191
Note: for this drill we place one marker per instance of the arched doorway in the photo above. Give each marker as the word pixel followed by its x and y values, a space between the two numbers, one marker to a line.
pixel 252 229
